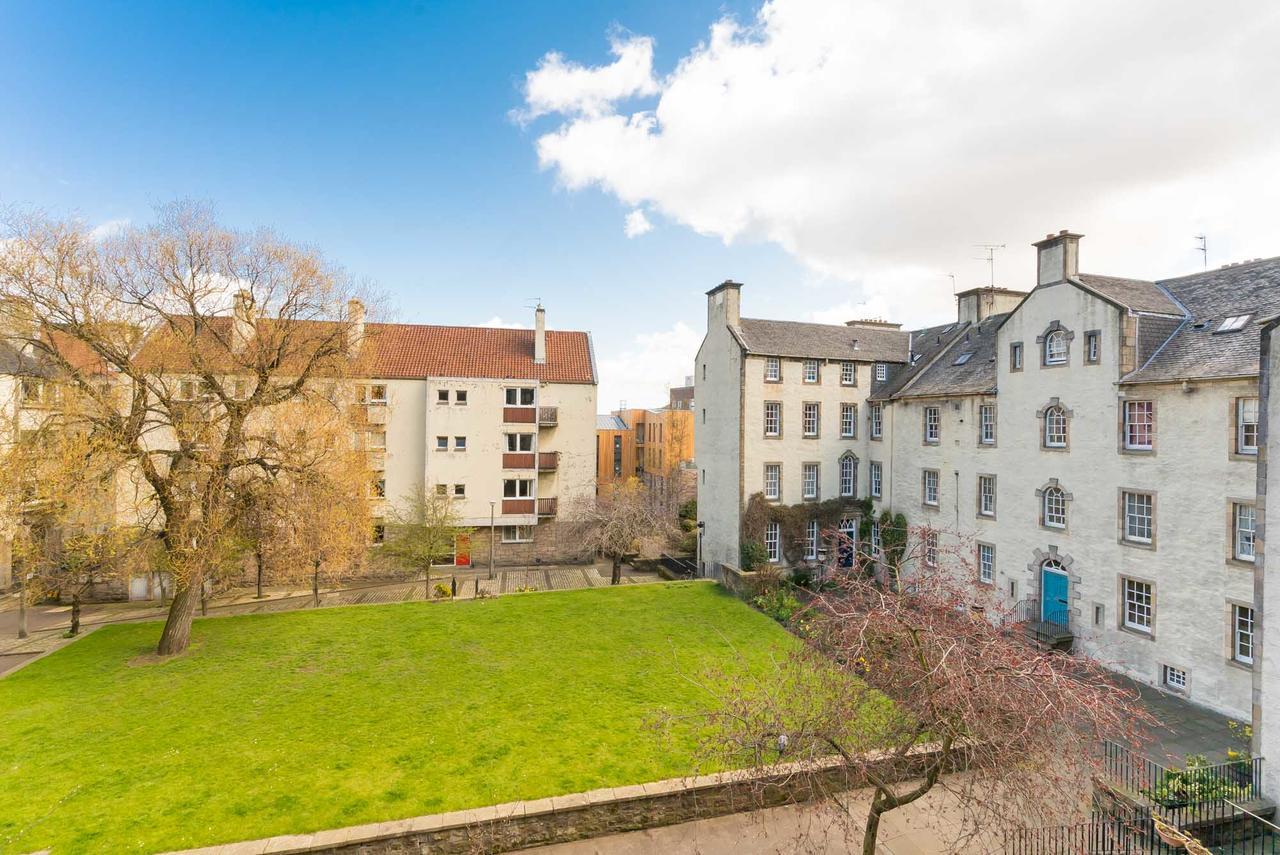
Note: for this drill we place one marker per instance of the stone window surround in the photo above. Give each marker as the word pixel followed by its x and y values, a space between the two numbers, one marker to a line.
pixel 1150 635
pixel 873 489
pixel 924 424
pixel 1122 514
pixel 854 368
pixel 977 552
pixel 1233 435
pixel 1068 336
pixel 874 407
pixel 1042 418
pixel 764 420
pixel 1016 348
pixel 848 455
pixel 1122 444
pixel 853 425
pixel 764 480
pixel 804 371
pixel 1232 661
pixel 995 421
pixel 1231 558
pixel 817 420
pixel 1092 335
pixel 817 496
pixel 1067 499
pixel 937 485
pixel 778 362
pixel 978 497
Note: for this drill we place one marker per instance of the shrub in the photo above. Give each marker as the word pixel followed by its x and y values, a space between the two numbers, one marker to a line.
pixel 779 604
pixel 689 511
pixel 752 555
pixel 441 592
pixel 803 577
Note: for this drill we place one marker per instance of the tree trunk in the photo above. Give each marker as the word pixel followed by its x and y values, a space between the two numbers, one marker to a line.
pixel 873 824
pixel 617 570
pixel 427 594
pixel 75 613
pixel 315 583
pixel 177 628
pixel 257 558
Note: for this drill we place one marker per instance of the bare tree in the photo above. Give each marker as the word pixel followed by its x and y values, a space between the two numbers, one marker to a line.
pixel 71 565
pixel 613 523
pixel 180 343
pixel 888 671
pixel 423 531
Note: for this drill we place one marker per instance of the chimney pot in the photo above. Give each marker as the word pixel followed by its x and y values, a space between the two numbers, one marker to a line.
pixel 539 335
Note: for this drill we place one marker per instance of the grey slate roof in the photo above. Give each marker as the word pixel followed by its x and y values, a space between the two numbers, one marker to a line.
pixel 1196 350
pixel 925 345
pixel 822 341
pixel 1137 295
pixel 936 373
pixel 13 361
pixel 610 422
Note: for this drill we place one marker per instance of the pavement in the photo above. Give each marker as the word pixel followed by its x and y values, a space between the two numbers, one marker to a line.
pixel 1185 728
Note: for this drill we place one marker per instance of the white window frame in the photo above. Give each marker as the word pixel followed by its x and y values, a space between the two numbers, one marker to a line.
pixel 1055 499
pixel 1233 323
pixel 811 541
pixel 1244 541
pixel 876 475
pixel 809 480
pixel 929 487
pixel 882 372
pixel 1139 424
pixel 1243 634
pixel 875 536
pixel 517 533
pixel 1170 681
pixel 518 393
pixel 459 443
pixel 774 469
pixel 877 420
pixel 774 407
pixel 987 495
pixel 848 421
pixel 987 424
pixel 442 443
pixel 811 418
pixel 772 369
pixel 1015 356
pixel 773 542
pixel 1055 348
pixel 1246 431
pixel 1092 350
pixel 932 424
pixel 848 374
pixel 931 548
pixel 812 371
pixel 518 439
pixel 523 489
pixel 1139 605
pixel 848 476
pixel 1055 416
pixel 986 563
pixel 1139 516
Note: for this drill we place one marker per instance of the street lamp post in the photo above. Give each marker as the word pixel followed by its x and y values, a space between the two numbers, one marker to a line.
pixel 492 504
pixel 701 528
pixel 22 605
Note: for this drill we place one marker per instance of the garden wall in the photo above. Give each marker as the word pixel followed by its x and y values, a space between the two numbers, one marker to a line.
pixel 517 825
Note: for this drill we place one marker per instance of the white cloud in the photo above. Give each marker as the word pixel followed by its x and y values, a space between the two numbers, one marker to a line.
pixel 108 229
pixel 878 142
pixel 637 224
pixel 497 321
pixel 558 86
pixel 641 372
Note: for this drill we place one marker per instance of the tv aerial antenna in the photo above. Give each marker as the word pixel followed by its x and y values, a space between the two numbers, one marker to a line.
pixel 990 257
pixel 1203 249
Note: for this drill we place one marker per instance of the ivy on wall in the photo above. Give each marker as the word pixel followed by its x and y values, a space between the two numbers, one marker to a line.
pixel 793 521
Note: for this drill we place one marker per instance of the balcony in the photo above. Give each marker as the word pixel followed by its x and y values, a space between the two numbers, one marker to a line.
pixel 548 461
pixel 547 507
pixel 1048 626
pixel 513 507
pixel 548 416
pixel 520 415
pixel 517 460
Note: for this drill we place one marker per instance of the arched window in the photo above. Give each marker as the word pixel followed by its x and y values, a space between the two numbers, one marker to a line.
pixel 1055 507
pixel 848 476
pixel 1055 427
pixel 1055 348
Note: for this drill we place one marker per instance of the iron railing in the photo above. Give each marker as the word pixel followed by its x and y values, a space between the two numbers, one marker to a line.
pixel 1055 617
pixel 1171 788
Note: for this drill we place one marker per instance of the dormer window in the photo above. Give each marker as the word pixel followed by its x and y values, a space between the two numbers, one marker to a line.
pixel 1234 323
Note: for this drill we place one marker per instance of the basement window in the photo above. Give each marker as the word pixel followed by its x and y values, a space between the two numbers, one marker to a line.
pixel 1234 323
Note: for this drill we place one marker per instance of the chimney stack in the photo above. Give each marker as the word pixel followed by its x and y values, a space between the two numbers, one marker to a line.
pixel 539 335
pixel 724 304
pixel 355 328
pixel 242 321
pixel 1058 257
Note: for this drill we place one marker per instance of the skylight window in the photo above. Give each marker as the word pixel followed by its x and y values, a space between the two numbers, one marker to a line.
pixel 1234 323
pixel 963 358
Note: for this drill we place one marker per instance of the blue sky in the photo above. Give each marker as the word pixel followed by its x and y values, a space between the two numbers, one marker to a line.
pixel 840 158
pixel 377 132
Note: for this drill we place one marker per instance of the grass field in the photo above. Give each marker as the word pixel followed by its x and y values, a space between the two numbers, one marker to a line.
pixel 294 722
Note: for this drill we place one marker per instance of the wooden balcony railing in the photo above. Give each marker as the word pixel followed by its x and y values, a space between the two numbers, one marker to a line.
pixel 520 415
pixel 548 416
pixel 517 460
pixel 518 506
pixel 548 461
pixel 547 507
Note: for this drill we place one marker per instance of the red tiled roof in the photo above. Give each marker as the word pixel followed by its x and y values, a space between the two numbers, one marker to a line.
pixel 408 351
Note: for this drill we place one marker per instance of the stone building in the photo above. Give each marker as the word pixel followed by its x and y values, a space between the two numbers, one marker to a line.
pixel 1089 449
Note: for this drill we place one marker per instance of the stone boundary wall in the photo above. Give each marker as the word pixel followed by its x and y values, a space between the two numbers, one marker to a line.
pixel 518 825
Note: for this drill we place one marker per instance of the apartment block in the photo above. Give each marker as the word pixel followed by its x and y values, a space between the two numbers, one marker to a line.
pixel 1089 448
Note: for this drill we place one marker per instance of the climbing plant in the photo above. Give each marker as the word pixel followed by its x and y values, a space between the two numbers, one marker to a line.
pixel 794 519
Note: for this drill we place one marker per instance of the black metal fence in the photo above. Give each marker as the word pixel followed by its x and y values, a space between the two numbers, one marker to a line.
pixel 1055 617
pixel 1173 789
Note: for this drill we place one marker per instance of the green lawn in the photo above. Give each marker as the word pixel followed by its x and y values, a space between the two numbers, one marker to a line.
pixel 294 722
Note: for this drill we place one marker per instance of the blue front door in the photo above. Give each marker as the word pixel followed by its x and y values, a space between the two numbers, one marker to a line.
pixel 1053 600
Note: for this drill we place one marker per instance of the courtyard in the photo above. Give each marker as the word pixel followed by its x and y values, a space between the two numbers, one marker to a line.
pixel 283 723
